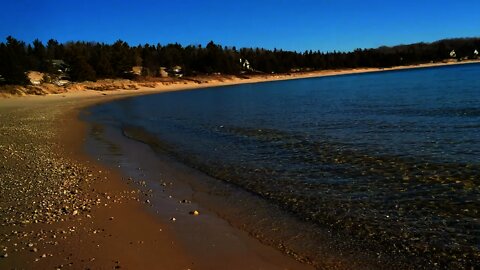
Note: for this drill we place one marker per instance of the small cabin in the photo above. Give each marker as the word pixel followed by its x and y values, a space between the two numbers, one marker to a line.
pixel 60 66
pixel 176 71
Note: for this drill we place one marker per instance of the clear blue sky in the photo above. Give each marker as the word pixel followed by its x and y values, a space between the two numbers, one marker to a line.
pixel 291 25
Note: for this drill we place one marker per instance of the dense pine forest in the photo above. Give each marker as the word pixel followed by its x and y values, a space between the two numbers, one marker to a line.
pixel 82 61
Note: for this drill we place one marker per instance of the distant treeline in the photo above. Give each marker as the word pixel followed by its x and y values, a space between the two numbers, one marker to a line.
pixel 83 61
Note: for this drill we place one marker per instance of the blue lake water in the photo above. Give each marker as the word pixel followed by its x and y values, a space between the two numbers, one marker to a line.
pixel 389 157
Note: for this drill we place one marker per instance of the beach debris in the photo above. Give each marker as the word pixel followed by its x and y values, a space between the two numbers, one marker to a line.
pixel 185 201
pixel 5 255
pixel 194 213
pixel 173 219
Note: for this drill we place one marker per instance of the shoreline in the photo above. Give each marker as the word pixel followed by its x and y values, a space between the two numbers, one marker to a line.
pixel 174 190
pixel 125 87
pixel 102 207
pixel 220 202
pixel 46 131
pixel 82 219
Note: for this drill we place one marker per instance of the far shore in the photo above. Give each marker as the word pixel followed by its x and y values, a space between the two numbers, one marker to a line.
pixel 122 87
pixel 61 208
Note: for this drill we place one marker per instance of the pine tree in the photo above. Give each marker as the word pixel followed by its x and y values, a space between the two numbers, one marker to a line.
pixel 80 69
pixel 13 64
pixel 101 63
pixel 123 58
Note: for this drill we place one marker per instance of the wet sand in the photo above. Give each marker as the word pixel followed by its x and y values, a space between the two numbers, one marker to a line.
pixel 61 209
pixel 174 190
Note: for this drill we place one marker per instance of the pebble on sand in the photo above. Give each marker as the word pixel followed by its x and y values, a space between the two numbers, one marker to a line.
pixel 195 213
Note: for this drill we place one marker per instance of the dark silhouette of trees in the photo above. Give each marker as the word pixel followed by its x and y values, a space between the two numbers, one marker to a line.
pixel 150 56
pixel 13 62
pixel 81 70
pixel 101 61
pixel 91 61
pixel 122 58
pixel 55 50
pixel 79 56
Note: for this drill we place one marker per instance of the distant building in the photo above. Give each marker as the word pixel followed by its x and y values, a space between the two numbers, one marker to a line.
pixel 245 64
pixel 60 66
pixel 475 53
pixel 453 54
pixel 61 82
pixel 176 71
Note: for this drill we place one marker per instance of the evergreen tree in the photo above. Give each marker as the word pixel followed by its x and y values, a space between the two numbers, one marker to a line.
pixel 91 60
pixel 123 58
pixel 150 61
pixel 39 54
pixel 101 62
pixel 13 64
pixel 80 69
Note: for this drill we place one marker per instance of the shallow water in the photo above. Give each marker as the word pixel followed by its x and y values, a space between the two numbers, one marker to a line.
pixel 391 158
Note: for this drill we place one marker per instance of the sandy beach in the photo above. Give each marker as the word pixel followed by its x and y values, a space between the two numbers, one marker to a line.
pixel 109 86
pixel 60 208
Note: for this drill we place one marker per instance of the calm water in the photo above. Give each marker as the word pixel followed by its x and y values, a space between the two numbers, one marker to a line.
pixel 392 157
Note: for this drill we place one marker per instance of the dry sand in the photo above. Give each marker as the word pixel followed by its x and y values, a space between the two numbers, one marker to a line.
pixel 170 84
